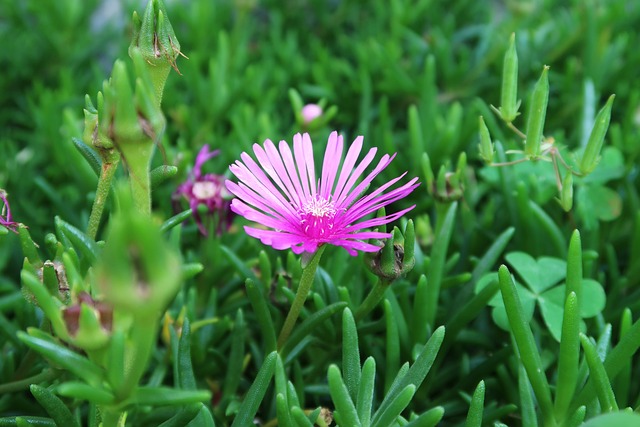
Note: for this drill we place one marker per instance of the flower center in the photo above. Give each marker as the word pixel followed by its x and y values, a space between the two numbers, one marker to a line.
pixel 316 217
pixel 204 190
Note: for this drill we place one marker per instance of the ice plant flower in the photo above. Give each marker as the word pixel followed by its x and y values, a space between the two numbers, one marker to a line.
pixel 208 190
pixel 5 214
pixel 281 193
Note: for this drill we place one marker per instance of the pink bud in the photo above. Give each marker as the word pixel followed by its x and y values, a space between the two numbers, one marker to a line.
pixel 310 112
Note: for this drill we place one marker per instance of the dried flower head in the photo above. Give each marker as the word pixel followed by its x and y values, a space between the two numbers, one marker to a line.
pixel 281 193
pixel 207 190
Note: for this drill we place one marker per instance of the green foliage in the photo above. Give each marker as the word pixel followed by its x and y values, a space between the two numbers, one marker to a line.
pixel 109 316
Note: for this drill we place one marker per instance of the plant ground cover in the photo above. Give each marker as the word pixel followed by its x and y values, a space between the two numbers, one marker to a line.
pixel 145 282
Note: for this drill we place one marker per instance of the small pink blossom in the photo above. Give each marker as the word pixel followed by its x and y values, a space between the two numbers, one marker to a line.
pixel 208 190
pixel 280 192
pixel 310 112
pixel 5 214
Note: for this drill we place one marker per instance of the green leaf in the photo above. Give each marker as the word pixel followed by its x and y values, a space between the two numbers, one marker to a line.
pixel 310 323
pixel 85 244
pixel 346 411
pixel 234 368
pixel 62 356
pixel 596 202
pixel 184 416
pixel 261 309
pixel 538 275
pixel 599 375
pixel 431 418
pixel 252 400
pixel 395 407
pixel 622 418
pixel 160 396
pixel 417 373
pixel 92 393
pixel 350 353
pixel 89 155
pixel 591 304
pixel 186 378
pixel 526 345
pixel 27 421
pixel 568 357
pixel 300 418
pixel 175 220
pixel 474 416
pixel 55 407
pixel 160 174
pixel 364 400
pixel 283 411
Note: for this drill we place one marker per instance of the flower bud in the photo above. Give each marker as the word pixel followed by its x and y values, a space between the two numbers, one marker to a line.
pixel 155 41
pixel 509 95
pixel 447 186
pixel 537 115
pixel 311 112
pixel 566 193
pixel 139 273
pixel 133 122
pixel 396 257
pixel 486 146
pixel 591 155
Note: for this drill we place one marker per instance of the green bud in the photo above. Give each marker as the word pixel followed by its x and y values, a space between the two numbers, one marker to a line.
pixel 133 121
pixel 442 182
pixel 566 193
pixel 509 95
pixel 139 272
pixel 591 156
pixel 448 186
pixel 397 256
pixel 486 146
pixel 537 114
pixel 155 41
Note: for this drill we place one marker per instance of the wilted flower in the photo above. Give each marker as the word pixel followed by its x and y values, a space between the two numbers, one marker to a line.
pixel 5 213
pixel 208 190
pixel 281 193
pixel 310 112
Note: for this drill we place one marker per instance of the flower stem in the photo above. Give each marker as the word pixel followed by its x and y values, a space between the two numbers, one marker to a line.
pixel 306 281
pixel 372 300
pixel 137 155
pixel 102 194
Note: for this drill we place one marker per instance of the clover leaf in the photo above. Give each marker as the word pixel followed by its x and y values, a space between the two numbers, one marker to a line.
pixel 542 279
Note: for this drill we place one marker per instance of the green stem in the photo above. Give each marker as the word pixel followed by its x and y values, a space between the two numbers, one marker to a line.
pixel 138 154
pixel 143 337
pixel 306 281
pixel 102 194
pixel 372 300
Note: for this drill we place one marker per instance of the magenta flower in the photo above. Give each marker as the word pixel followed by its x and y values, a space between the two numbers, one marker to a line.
pixel 5 214
pixel 206 190
pixel 281 193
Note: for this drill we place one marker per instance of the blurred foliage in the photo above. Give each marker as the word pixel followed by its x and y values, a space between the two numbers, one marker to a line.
pixel 412 77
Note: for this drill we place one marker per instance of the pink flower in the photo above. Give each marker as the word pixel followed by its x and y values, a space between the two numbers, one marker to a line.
pixel 5 214
pixel 281 193
pixel 206 190
pixel 310 112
